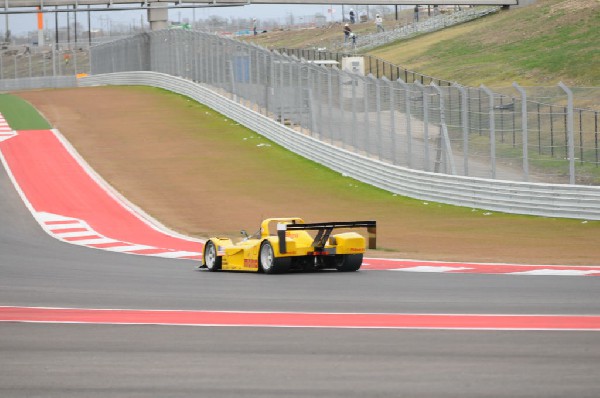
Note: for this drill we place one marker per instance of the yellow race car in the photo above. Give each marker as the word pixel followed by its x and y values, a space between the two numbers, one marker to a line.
pixel 284 244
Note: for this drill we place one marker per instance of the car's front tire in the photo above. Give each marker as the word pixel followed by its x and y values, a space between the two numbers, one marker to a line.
pixel 271 264
pixel 211 260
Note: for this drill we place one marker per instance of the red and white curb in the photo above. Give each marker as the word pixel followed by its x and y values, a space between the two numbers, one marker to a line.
pixel 78 232
pixel 73 204
pixel 380 264
pixel 41 157
pixel 5 131
pixel 302 319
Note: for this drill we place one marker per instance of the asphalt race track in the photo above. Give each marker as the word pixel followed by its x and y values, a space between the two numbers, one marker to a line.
pixel 106 360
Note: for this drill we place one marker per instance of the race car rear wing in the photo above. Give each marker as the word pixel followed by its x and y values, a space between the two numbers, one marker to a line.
pixel 324 231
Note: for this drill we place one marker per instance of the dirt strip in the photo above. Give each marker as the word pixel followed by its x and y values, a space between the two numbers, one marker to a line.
pixel 202 174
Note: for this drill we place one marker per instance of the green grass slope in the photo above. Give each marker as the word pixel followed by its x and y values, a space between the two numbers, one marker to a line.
pixel 20 115
pixel 548 42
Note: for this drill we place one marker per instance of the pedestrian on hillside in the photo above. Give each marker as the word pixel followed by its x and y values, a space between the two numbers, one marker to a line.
pixel 254 26
pixel 416 13
pixel 379 23
pixel 352 16
pixel 347 32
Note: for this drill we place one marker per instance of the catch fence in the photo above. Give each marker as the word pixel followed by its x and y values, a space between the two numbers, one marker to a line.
pixel 401 118
pixel 22 66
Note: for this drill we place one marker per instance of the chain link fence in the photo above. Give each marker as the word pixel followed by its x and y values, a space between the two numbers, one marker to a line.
pixel 419 123
pixel 24 67
pixel 25 61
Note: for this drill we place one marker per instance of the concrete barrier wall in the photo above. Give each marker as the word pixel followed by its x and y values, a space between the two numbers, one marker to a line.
pixel 28 83
pixel 550 200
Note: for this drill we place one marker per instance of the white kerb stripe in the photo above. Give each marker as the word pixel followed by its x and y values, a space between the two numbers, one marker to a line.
pixel 424 268
pixel 95 241
pixel 564 272
pixel 75 234
pixel 45 217
pixel 177 254
pixel 129 248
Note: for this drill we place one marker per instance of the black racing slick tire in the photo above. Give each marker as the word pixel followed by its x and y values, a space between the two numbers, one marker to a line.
pixel 271 264
pixel 348 262
pixel 211 260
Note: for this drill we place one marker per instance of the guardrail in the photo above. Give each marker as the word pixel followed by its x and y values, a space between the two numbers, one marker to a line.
pixel 550 200
pixel 29 83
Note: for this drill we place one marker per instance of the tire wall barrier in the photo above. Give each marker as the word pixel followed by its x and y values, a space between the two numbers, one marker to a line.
pixel 549 200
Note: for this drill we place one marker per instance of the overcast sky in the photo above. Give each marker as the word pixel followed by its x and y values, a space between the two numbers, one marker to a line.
pixel 21 23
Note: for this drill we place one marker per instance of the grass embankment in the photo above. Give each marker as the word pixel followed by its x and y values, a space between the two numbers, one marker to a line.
pixel 539 45
pixel 20 114
pixel 548 42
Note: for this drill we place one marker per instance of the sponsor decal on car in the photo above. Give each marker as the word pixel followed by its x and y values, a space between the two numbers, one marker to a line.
pixel 250 263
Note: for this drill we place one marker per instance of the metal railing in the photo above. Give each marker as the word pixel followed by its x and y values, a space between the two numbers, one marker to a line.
pixel 419 123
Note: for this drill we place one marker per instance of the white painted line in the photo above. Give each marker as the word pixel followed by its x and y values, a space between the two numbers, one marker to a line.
pixel 76 234
pixel 425 268
pixel 56 228
pixel 95 241
pixel 60 223
pixel 177 254
pixel 7 134
pixel 562 272
pixel 46 217
pixel 129 248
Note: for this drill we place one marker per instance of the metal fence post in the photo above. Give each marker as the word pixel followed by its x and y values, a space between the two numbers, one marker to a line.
pixel 378 117
pixel 314 123
pixel 426 158
pixel 354 82
pixel 524 130
pixel 366 114
pixel 407 117
pixel 392 91
pixel 492 125
pixel 319 99
pixel 444 128
pixel 295 102
pixel 464 116
pixel 341 106
pixel 571 141
pixel 330 104
pixel 279 90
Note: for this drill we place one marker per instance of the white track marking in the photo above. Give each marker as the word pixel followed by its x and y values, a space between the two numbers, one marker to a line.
pixel 178 254
pixel 426 268
pixel 53 224
pixel 562 272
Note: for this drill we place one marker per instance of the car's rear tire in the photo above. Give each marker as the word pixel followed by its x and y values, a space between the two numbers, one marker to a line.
pixel 211 260
pixel 348 262
pixel 271 264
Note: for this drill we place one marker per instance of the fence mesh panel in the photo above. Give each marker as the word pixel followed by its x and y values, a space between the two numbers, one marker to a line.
pixel 391 114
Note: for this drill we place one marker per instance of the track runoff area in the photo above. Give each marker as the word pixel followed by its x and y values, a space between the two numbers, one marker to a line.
pixel 73 204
